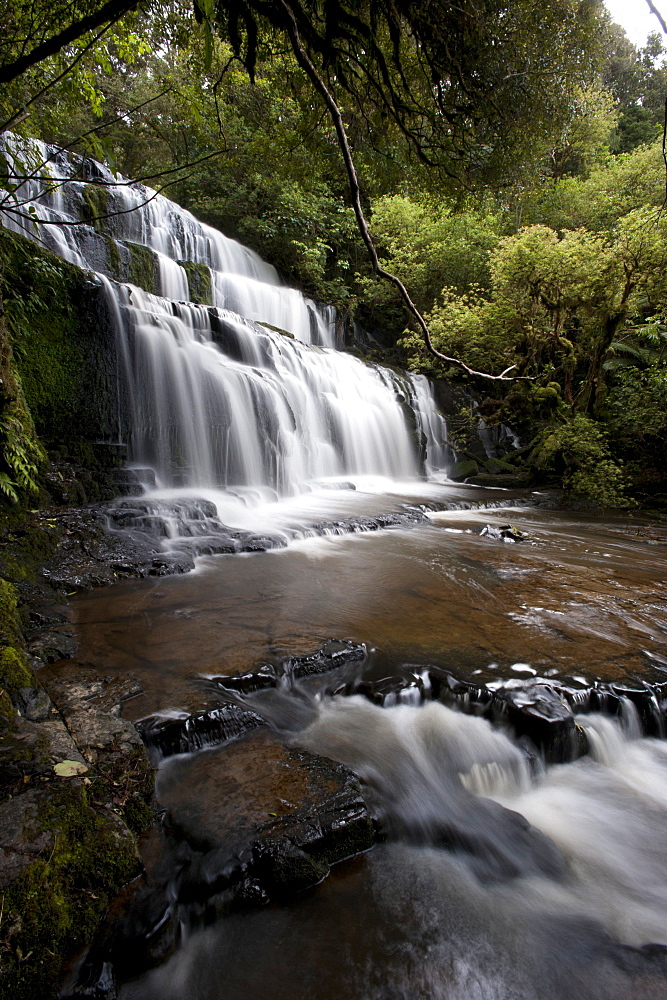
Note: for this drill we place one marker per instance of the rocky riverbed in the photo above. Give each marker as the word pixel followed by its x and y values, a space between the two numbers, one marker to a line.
pixel 250 817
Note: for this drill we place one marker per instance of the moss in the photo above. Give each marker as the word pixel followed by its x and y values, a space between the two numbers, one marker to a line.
pixel 199 282
pixel 56 904
pixel 96 205
pixel 26 544
pixel 7 712
pixel 143 267
pixel 15 670
pixel 63 345
pixel 10 622
pixel 114 261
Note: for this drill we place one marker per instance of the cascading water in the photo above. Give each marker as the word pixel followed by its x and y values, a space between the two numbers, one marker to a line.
pixel 246 393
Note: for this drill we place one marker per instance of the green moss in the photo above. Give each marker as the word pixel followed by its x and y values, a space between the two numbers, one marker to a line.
pixel 10 622
pixel 143 267
pixel 199 282
pixel 7 713
pixel 57 321
pixel 96 206
pixel 56 904
pixel 114 260
pixel 15 670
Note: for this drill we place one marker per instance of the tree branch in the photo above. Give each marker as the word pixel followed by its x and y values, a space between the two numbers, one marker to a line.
pixel 654 10
pixel 111 11
pixel 320 86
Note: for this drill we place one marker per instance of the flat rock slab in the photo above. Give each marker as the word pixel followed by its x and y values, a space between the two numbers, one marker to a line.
pixel 276 813
pixel 90 704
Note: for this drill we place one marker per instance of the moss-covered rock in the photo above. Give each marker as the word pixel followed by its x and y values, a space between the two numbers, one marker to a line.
pixel 143 267
pixel 58 900
pixel 15 670
pixel 462 470
pixel 95 205
pixel 61 340
pixel 199 282
pixel 10 623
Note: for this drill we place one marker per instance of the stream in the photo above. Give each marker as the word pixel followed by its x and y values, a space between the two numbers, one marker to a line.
pixel 581 599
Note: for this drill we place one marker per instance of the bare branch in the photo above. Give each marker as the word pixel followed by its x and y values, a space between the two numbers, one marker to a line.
pixel 654 10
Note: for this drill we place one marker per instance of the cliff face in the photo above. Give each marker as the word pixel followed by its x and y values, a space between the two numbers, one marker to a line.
pixel 60 350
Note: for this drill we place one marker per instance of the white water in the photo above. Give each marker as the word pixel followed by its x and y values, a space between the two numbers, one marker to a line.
pixel 467 901
pixel 216 400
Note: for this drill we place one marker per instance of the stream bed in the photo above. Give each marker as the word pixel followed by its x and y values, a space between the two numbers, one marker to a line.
pixel 496 877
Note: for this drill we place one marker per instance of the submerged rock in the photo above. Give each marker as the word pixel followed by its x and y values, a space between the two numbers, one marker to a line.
pixel 253 797
pixel 242 824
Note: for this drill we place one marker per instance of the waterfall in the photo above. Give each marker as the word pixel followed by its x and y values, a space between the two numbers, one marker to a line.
pixel 247 391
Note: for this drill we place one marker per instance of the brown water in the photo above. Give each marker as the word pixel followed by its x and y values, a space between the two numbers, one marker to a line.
pixel 582 596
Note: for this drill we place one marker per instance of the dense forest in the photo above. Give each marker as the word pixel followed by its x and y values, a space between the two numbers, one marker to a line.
pixel 503 165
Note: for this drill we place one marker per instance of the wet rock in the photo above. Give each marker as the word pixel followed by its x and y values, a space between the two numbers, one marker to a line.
pixel 541 712
pixel 334 653
pixel 166 737
pixel 501 844
pixel 51 646
pixel 89 555
pixel 259 805
pixel 257 790
pixel 90 706
pixel 282 867
pixel 503 533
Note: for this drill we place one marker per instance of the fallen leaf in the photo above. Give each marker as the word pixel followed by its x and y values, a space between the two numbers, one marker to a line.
pixel 69 768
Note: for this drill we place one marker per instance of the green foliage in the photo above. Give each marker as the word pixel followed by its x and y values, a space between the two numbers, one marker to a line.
pixel 579 452
pixel 612 189
pixel 21 452
pixel 431 247
pixel 636 406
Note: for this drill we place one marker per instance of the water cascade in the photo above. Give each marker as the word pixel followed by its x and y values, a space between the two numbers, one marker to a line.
pixel 246 392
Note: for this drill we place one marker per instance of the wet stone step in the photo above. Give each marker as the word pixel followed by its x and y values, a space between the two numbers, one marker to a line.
pixel 242 824
pixel 165 737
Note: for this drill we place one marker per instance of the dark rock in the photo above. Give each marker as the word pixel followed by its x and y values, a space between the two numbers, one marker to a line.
pixel 166 737
pixel 22 837
pixel 334 653
pixel 463 470
pixel 51 646
pixel 503 533
pixel 33 703
pixel 257 801
pixel 282 867
pixel 501 844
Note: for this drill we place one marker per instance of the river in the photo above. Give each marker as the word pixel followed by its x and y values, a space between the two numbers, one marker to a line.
pixel 581 598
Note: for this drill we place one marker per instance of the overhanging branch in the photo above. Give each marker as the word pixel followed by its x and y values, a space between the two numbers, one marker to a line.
pixel 110 12
pixel 320 86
